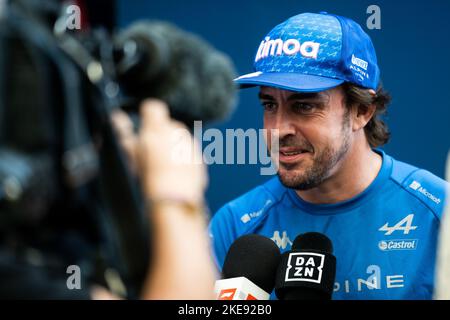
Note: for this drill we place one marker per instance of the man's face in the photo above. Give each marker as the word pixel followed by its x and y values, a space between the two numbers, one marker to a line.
pixel 314 133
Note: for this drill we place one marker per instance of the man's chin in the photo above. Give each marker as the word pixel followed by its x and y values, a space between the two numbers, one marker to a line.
pixel 290 179
pixel 297 180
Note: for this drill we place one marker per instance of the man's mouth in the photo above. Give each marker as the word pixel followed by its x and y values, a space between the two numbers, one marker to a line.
pixel 292 154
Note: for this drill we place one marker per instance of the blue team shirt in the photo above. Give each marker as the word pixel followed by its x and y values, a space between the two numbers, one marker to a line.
pixel 384 238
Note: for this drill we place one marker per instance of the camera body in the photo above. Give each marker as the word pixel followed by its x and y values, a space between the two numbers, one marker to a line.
pixel 65 188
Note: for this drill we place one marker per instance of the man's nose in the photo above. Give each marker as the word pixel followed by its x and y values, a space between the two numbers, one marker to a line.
pixel 285 123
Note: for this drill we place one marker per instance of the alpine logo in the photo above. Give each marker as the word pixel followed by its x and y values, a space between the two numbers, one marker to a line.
pixel 416 186
pixel 404 225
pixel 376 280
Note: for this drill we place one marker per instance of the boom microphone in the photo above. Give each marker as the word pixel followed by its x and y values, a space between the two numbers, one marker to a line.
pixel 307 272
pixel 157 59
pixel 249 269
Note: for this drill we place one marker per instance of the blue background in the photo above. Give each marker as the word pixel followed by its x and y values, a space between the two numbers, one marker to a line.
pixel 413 49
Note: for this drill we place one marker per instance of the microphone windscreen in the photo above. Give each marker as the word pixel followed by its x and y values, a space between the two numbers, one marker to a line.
pixel 180 68
pixel 313 241
pixel 307 272
pixel 254 257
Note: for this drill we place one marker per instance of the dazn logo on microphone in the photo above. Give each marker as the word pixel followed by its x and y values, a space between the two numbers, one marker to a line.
pixel 305 266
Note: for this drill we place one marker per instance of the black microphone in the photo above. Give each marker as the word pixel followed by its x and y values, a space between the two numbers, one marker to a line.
pixel 158 59
pixel 307 272
pixel 249 269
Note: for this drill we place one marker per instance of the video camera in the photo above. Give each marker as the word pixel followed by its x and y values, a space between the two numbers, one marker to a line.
pixel 66 194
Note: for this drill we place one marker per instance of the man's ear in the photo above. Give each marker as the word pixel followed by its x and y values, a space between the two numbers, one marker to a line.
pixel 362 115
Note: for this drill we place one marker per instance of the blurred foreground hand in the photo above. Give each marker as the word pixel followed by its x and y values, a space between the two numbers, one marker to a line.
pixel 163 156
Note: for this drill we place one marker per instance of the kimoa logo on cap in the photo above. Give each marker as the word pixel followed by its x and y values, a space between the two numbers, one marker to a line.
pixel 308 49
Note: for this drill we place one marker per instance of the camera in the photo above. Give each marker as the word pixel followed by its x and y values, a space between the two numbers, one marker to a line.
pixel 66 192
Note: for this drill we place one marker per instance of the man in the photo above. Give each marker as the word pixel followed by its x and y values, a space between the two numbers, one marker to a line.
pixel 319 87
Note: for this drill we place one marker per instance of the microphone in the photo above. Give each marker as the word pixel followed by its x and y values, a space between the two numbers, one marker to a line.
pixel 307 272
pixel 249 269
pixel 157 59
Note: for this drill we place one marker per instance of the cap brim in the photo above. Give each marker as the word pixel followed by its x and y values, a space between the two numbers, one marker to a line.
pixel 288 81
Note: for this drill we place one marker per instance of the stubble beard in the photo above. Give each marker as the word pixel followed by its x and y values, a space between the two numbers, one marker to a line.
pixel 322 166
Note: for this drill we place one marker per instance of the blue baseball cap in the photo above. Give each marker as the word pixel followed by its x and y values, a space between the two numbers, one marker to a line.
pixel 312 52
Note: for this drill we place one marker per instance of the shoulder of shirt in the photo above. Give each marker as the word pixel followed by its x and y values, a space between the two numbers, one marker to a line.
pixel 421 184
pixel 248 210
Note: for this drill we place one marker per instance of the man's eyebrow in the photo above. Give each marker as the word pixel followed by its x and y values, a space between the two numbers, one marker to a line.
pixel 263 96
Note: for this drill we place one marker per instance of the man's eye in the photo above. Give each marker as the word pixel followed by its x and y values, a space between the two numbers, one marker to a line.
pixel 304 108
pixel 269 106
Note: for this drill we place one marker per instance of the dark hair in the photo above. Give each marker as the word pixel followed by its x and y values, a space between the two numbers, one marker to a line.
pixel 376 129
